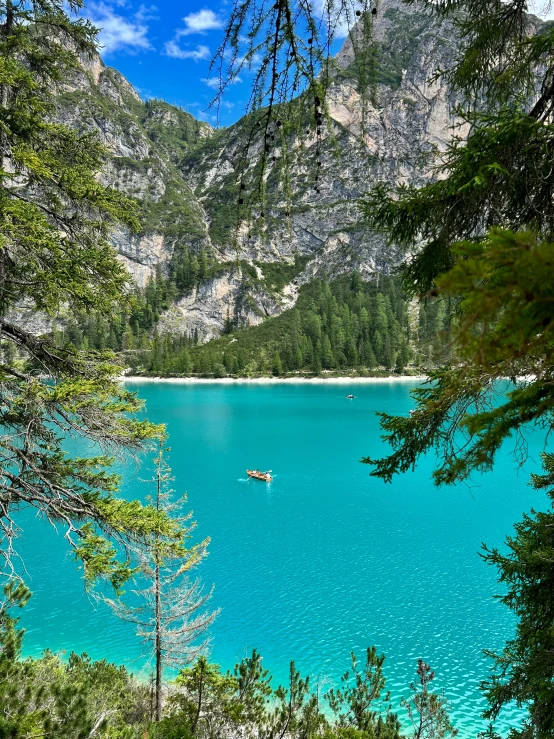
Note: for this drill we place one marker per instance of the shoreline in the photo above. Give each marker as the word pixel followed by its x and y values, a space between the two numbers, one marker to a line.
pixel 138 379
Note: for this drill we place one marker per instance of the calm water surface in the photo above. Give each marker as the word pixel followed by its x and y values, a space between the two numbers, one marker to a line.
pixel 322 561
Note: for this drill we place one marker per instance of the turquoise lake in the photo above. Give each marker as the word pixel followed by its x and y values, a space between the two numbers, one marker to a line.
pixel 323 561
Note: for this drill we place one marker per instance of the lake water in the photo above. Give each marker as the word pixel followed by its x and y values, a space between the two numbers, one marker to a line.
pixel 322 561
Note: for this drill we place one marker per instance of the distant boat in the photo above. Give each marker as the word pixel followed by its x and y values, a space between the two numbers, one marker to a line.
pixel 350 396
pixel 257 475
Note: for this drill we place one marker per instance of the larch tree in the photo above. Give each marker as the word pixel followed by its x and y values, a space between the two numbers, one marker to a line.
pixel 287 47
pixel 55 222
pixel 170 605
pixel 427 711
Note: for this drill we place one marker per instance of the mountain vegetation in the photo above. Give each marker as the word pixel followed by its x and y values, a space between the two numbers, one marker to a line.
pixel 188 179
pixel 347 325
pixel 78 698
pixel 478 232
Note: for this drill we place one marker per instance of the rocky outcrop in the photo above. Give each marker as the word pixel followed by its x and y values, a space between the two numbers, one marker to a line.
pixel 145 141
pixel 185 175
pixel 218 300
pixel 394 132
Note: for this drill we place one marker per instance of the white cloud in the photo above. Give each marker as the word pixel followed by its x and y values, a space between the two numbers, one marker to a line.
pixel 173 49
pixel 118 32
pixel 251 61
pixel 202 114
pixel 200 22
pixel 147 13
pixel 213 82
pixel 342 17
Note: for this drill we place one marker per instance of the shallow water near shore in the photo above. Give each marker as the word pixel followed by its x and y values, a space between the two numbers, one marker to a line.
pixel 322 561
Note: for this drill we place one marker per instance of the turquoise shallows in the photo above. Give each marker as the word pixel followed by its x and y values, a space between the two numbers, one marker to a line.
pixel 323 560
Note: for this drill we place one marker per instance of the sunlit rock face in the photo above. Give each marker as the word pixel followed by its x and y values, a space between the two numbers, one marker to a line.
pixel 184 174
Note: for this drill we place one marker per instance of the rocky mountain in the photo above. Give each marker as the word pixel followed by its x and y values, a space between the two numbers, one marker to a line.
pixel 186 175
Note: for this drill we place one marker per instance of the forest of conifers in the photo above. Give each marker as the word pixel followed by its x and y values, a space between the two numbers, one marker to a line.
pixel 344 325
pixel 477 315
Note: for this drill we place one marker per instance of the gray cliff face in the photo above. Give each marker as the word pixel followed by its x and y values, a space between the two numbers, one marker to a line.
pixel 185 175
pixel 394 133
pixel 145 142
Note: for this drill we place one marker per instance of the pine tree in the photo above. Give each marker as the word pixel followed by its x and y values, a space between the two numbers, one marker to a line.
pixel 362 701
pixel 277 364
pixel 403 357
pixel 427 711
pixel 316 361
pixel 327 359
pixel 55 219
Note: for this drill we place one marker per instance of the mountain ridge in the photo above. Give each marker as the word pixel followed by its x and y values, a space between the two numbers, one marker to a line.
pixel 185 177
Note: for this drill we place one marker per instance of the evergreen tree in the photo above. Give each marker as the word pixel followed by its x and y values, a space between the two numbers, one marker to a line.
pixel 403 357
pixel 57 699
pixel 55 221
pixel 327 359
pixel 277 364
pixel 427 711
pixel 203 704
pixel 361 702
pixel 316 361
pixel 524 668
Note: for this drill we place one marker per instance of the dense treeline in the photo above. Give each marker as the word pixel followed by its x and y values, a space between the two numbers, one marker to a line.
pixel 132 327
pixel 77 698
pixel 343 325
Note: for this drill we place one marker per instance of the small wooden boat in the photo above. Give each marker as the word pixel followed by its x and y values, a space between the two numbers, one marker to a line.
pixel 257 475
pixel 349 396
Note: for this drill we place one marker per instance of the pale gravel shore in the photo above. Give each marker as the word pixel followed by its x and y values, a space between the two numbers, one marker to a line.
pixel 275 380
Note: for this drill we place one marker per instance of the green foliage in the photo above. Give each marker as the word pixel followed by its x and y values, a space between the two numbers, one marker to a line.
pixel 502 330
pixel 361 326
pixel 55 222
pixel 485 230
pixel 212 704
pixel 62 700
pixel 171 128
pixel 345 324
pixel 278 274
pixel 524 668
pixel 387 61
pixel 79 698
pixel 361 702
pixel 166 205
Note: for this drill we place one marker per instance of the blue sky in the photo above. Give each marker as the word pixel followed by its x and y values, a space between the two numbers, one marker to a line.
pixel 164 49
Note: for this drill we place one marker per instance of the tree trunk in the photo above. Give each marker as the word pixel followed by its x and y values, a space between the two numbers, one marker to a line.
pixel 4 162
pixel 198 707
pixel 158 648
pixel 158 644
